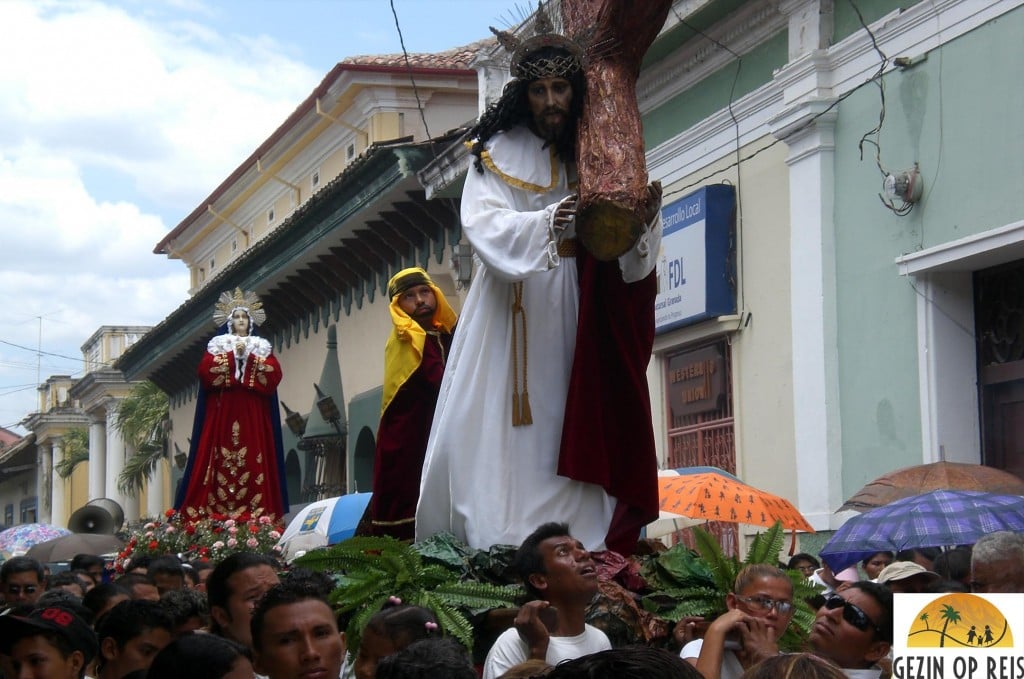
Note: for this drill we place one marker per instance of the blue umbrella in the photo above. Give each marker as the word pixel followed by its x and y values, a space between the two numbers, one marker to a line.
pixel 936 519
pixel 345 517
pixel 324 522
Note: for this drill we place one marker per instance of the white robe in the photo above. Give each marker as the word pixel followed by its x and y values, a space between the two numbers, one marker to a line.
pixel 483 479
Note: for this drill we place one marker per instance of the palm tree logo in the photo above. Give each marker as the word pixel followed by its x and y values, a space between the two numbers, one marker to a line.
pixel 949 615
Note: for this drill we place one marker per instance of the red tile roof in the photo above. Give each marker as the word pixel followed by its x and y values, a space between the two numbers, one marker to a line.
pixel 456 58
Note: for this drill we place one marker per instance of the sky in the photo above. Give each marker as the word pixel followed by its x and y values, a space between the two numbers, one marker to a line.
pixel 118 117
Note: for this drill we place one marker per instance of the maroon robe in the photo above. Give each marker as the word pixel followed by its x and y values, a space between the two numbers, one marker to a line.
pixel 402 443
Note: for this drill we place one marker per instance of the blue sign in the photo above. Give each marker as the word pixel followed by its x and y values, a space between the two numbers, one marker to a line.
pixel 696 265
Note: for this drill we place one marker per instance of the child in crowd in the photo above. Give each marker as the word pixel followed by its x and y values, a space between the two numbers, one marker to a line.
pixel 390 630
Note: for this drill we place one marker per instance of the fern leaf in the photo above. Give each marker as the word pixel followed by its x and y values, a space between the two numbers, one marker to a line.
pixel 451 619
pixel 765 546
pixel 478 597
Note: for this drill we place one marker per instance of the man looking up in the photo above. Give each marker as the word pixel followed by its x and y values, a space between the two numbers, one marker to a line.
pixel 295 635
pixel 233 589
pixel 414 358
pixel 21 580
pixel 558 571
pixel 499 460
pixel 853 629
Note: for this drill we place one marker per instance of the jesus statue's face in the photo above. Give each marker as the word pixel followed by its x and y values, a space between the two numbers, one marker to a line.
pixel 549 100
pixel 240 322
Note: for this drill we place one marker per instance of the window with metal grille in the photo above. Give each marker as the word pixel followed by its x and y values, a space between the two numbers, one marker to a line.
pixel 698 388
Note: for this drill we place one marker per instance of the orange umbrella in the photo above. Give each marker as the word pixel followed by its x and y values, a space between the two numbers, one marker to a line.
pixel 714 497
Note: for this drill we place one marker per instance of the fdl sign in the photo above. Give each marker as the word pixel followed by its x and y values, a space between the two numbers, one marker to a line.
pixel 696 265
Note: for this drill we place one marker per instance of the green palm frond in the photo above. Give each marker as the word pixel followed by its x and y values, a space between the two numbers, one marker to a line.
pixel 140 416
pixel 372 569
pixel 75 452
pixel 723 568
pixel 139 468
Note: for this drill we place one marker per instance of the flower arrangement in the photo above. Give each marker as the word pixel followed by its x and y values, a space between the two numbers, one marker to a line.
pixel 212 539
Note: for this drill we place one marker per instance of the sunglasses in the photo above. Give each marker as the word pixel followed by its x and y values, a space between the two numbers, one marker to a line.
pixel 764 604
pixel 851 613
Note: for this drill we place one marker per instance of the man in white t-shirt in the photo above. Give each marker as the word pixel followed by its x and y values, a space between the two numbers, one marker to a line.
pixel 561 575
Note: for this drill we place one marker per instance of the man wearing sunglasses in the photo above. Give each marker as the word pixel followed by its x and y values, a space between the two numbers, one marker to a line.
pixel 853 629
pixel 21 580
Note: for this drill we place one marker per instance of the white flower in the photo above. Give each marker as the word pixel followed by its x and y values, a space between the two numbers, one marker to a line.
pixel 218 545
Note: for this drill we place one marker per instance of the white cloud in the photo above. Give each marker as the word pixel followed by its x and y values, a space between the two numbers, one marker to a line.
pixel 113 126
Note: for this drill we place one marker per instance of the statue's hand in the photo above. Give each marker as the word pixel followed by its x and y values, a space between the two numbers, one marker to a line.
pixel 653 201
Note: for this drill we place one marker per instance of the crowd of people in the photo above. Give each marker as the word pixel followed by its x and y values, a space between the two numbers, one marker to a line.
pixel 250 616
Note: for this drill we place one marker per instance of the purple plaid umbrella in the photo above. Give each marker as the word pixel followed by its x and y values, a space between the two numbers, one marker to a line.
pixel 936 519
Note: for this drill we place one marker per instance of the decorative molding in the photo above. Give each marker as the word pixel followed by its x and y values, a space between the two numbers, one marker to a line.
pixel 980 250
pixel 741 32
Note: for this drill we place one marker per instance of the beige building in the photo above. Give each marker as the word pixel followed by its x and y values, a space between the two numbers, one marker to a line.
pixel 316 221
pixel 31 487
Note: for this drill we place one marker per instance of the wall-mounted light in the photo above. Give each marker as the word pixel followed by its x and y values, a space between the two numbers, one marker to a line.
pixel 296 422
pixel 328 408
pixel 902 190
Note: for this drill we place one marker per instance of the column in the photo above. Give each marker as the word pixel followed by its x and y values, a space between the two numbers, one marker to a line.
pixel 155 502
pixel 58 515
pixel 97 457
pixel 814 351
pixel 43 460
pixel 132 510
pixel 114 463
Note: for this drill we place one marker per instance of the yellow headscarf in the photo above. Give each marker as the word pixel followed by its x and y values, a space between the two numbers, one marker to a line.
pixel 404 350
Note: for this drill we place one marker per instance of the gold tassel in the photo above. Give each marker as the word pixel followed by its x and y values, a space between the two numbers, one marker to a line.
pixel 516 419
pixel 527 414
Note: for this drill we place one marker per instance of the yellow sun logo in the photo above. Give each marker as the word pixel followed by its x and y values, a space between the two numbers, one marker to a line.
pixel 960 621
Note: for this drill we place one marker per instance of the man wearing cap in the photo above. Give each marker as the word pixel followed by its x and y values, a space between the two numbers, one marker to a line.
pixel 906 576
pixel 54 642
pixel 414 360
pixel 509 447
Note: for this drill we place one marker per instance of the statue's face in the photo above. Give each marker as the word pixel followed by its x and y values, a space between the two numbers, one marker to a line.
pixel 240 322
pixel 549 100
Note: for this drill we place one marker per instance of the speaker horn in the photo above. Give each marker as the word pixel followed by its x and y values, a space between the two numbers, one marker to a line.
pixel 100 516
pixel 91 519
pixel 112 508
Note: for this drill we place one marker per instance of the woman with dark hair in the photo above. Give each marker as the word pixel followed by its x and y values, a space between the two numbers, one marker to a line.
pixel 390 630
pixel 202 656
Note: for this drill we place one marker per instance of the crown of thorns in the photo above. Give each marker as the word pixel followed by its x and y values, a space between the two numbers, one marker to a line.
pixel 525 65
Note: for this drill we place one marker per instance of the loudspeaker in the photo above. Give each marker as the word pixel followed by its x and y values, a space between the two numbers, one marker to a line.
pixel 102 515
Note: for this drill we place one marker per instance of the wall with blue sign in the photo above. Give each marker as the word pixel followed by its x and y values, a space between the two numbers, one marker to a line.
pixel 696 265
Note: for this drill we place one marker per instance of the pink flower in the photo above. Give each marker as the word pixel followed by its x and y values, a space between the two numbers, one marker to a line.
pixel 265 520
pixel 169 529
pixel 274 535
pixel 149 534
pixel 229 523
pixel 233 530
pixel 277 548
pixel 253 542
pixel 232 542
pixel 218 545
pixel 149 526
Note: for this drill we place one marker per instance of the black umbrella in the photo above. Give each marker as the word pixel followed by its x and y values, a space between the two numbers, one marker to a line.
pixel 66 547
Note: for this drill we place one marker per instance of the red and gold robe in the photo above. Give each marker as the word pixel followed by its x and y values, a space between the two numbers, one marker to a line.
pixel 233 467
